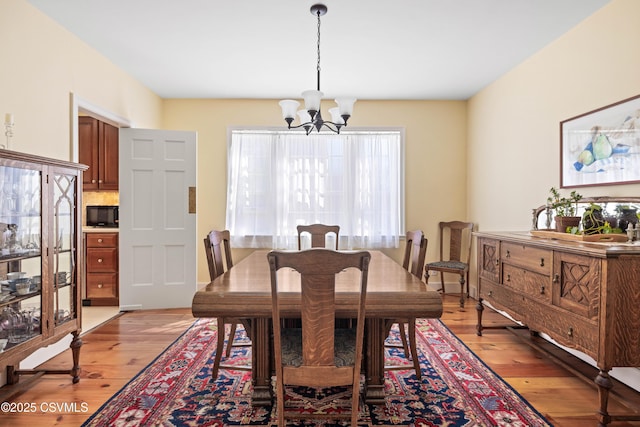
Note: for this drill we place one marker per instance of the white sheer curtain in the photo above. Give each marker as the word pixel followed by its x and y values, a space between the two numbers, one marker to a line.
pixel 279 179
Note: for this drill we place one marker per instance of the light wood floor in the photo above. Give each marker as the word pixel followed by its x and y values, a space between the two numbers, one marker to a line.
pixel 113 353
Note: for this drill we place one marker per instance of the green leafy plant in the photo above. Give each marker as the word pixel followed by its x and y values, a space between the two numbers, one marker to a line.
pixel 563 206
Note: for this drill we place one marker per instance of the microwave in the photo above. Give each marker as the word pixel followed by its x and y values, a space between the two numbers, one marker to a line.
pixel 102 216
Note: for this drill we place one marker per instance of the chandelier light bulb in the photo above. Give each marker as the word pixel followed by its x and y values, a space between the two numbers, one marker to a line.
pixel 289 108
pixel 312 100
pixel 305 117
pixel 336 117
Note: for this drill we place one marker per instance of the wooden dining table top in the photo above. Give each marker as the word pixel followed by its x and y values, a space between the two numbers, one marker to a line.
pixel 245 291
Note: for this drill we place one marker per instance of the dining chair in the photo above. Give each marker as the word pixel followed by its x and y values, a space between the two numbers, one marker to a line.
pixel 218 250
pixel 455 251
pixel 317 355
pixel 414 255
pixel 318 234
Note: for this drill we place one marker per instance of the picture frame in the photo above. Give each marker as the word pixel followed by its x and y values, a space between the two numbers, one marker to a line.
pixel 601 147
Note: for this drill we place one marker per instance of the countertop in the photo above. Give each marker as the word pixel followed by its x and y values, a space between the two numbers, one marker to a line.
pixel 86 229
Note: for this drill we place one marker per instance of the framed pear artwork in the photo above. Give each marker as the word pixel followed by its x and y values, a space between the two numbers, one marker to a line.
pixel 601 147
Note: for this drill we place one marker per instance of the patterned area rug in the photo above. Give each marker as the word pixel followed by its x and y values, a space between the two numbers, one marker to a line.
pixel 457 389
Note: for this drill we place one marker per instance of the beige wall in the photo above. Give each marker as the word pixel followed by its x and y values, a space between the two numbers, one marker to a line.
pixel 513 125
pixel 41 64
pixel 435 133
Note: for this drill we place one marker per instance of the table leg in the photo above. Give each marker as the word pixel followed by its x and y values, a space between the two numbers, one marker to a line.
pixel 260 362
pixel 374 361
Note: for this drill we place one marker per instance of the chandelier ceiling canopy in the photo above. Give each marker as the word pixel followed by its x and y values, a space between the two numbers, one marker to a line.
pixel 311 117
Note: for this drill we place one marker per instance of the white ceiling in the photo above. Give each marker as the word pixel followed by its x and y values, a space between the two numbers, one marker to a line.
pixel 370 49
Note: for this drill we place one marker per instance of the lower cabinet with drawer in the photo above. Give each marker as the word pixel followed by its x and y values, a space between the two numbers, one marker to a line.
pixel 585 296
pixel 102 269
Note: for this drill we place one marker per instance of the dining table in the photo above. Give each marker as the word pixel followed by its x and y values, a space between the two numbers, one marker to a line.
pixel 244 291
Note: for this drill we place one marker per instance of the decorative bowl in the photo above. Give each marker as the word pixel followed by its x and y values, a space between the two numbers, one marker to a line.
pixel 13 284
pixel 23 288
pixel 15 275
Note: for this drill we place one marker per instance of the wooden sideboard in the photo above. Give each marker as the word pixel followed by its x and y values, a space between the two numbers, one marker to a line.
pixel 585 296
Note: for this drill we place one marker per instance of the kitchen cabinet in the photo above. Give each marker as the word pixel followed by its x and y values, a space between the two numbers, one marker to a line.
pixel 40 237
pixel 98 148
pixel 585 296
pixel 102 268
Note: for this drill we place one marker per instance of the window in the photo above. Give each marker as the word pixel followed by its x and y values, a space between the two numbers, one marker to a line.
pixel 280 179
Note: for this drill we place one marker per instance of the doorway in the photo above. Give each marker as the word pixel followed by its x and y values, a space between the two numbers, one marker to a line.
pixel 93 316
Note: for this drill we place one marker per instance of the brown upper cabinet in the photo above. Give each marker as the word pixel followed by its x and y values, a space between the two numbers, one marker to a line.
pixel 98 148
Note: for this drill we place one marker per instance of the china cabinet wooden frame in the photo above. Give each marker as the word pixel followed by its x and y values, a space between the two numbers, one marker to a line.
pixel 41 239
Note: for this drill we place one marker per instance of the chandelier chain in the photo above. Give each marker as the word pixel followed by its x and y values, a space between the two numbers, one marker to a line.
pixel 318 66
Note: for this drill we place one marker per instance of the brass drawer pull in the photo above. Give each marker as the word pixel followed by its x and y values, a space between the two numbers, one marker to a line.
pixel 100 285
pixel 99 240
pixel 99 259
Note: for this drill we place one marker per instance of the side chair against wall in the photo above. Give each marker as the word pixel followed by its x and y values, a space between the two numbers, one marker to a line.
pixel 455 252
pixel 318 354
pixel 318 234
pixel 414 255
pixel 218 249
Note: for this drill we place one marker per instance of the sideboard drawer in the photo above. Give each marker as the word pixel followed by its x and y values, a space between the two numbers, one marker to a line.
pixel 529 257
pixel 534 284
pixel 502 298
pixel 573 332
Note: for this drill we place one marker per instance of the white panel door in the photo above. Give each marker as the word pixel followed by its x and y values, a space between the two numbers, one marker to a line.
pixel 157 231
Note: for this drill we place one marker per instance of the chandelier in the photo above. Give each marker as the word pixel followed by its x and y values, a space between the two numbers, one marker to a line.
pixel 311 117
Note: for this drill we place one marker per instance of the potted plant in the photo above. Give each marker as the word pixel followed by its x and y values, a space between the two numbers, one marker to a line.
pixel 593 221
pixel 627 215
pixel 565 208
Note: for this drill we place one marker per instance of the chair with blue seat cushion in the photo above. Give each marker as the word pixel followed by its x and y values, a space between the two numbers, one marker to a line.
pixel 218 250
pixel 455 251
pixel 318 234
pixel 318 354
pixel 413 262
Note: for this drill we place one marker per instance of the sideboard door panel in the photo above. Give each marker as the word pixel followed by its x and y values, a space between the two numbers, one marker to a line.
pixel 577 284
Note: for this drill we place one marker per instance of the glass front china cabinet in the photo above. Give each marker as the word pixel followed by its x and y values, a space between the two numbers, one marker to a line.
pixel 40 259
